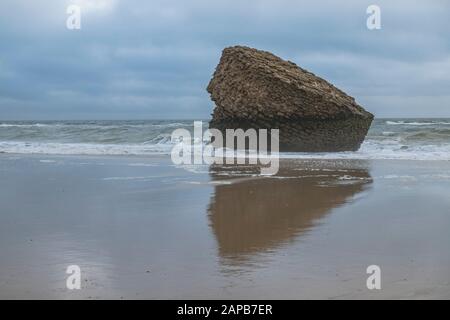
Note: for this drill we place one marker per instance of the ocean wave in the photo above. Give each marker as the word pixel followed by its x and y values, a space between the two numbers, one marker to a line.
pixel 104 126
pixel 428 136
pixel 82 148
pixel 370 150
pixel 406 123
pixel 96 132
pixel 36 125
pixel 409 139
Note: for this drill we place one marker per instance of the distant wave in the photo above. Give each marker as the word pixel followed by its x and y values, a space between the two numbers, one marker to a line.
pixel 406 123
pixel 84 126
pixel 52 148
pixel 37 125
pixel 92 132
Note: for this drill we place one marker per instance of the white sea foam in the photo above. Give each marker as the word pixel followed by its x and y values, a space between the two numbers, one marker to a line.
pixel 94 126
pixel 130 178
pixel 406 139
pixel 36 125
pixel 413 123
pixel 218 182
pixel 142 165
pixel 369 150
pixel 82 148
pixel 47 161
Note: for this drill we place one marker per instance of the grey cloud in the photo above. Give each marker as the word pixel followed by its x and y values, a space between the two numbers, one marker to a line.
pixel 153 59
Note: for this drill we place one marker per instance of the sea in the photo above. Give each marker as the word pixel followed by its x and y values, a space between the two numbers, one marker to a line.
pixel 405 139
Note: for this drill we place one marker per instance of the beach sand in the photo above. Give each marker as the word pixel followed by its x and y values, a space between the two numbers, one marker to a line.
pixel 143 228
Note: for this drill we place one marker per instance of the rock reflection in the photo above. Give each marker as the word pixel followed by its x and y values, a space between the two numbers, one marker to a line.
pixel 250 214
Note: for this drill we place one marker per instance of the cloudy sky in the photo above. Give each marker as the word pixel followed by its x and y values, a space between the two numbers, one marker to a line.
pixel 153 59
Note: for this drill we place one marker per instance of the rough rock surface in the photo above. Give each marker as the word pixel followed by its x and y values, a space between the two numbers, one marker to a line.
pixel 256 89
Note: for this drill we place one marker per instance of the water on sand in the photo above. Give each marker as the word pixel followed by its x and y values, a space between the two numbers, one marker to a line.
pixel 140 227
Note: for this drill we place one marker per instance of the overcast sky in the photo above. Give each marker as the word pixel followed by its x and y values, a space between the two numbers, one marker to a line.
pixel 153 59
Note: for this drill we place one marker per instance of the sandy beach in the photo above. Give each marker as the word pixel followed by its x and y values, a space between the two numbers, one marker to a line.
pixel 143 228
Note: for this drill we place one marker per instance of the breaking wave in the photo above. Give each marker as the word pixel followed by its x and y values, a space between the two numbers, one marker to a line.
pixel 409 139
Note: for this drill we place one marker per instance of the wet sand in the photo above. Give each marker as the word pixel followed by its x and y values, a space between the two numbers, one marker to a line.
pixel 142 228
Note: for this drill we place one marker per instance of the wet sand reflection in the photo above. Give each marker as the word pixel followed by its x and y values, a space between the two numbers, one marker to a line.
pixel 255 214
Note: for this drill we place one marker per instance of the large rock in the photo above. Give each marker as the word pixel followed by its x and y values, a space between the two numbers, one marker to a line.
pixel 256 89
